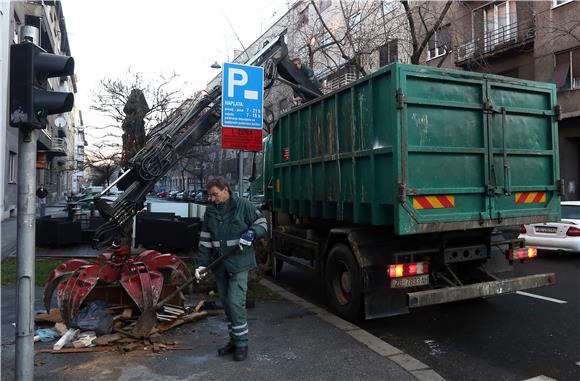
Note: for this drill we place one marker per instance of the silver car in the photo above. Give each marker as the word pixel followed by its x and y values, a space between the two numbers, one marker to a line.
pixel 558 236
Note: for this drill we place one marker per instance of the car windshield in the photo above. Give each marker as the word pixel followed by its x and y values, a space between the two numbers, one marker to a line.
pixel 571 211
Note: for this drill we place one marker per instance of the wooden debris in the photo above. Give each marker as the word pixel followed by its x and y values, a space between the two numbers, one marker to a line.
pixel 79 350
pixel 131 347
pixel 108 339
pixel 60 328
pixel 165 326
pixel 127 312
pixel 110 348
pixel 53 317
pixel 199 306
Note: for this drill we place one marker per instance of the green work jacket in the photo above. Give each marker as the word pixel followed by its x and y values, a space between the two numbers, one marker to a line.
pixel 223 225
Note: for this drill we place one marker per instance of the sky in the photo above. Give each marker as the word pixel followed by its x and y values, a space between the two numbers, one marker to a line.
pixel 107 37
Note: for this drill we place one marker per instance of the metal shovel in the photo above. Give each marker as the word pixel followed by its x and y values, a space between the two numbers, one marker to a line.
pixel 148 318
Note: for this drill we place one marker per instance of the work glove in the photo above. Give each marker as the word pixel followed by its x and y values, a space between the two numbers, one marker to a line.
pixel 198 273
pixel 247 238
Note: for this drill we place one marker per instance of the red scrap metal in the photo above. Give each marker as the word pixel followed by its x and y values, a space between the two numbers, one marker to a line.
pixel 142 277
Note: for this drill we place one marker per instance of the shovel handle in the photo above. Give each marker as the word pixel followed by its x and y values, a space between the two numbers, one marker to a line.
pixel 209 267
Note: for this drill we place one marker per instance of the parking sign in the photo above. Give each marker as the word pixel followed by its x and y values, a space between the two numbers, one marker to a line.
pixel 242 106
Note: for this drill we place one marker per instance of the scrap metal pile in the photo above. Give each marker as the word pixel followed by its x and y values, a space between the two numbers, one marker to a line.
pixel 114 302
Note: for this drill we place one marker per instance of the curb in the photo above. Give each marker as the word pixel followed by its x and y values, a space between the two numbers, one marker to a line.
pixel 419 370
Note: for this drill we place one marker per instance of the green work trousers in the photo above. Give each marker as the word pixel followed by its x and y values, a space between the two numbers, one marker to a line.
pixel 232 288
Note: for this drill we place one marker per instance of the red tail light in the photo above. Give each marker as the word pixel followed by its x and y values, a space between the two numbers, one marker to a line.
pixel 522 253
pixel 523 229
pixel 408 269
pixel 573 232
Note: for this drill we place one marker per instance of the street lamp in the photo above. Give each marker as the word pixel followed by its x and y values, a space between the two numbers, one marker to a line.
pixel 215 65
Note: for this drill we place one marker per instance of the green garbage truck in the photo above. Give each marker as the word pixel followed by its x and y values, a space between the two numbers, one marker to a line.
pixel 392 188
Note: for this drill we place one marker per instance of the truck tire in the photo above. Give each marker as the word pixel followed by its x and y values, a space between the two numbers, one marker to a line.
pixel 343 283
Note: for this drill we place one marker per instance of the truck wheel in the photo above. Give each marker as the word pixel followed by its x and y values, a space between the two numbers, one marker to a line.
pixel 343 283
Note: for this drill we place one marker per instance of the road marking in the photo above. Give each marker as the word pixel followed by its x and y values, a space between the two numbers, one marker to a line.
pixel 541 297
pixel 540 378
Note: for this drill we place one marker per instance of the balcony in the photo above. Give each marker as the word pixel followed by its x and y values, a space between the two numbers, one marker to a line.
pixel 338 82
pixel 59 145
pixel 497 41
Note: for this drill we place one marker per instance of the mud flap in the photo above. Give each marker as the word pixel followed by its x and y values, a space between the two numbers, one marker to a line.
pixel 506 286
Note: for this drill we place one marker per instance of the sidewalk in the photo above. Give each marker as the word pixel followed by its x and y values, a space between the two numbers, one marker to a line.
pixel 287 342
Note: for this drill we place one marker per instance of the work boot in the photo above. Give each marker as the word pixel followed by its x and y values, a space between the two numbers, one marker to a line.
pixel 241 353
pixel 227 350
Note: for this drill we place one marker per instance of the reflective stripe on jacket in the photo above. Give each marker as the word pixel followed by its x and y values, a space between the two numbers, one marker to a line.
pixel 222 229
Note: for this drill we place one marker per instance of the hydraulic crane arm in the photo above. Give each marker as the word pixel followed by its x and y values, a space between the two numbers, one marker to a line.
pixel 163 150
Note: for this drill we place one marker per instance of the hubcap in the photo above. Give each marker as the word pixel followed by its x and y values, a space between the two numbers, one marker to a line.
pixel 342 283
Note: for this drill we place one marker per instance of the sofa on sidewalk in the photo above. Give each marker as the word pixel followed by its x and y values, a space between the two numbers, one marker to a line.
pixel 166 232
pixel 56 232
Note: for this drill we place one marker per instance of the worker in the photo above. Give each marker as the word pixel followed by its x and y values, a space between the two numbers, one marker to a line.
pixel 304 69
pixel 230 223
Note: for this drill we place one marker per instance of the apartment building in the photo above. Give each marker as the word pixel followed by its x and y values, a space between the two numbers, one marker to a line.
pixel 533 40
pixel 56 163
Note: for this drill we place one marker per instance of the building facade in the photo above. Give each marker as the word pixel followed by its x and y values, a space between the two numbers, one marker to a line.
pixel 56 164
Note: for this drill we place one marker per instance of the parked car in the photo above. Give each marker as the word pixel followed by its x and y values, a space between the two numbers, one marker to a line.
pixel 201 197
pixel 190 197
pixel 162 194
pixel 558 236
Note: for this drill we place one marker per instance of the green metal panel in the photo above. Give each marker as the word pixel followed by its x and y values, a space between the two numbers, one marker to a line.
pixel 421 149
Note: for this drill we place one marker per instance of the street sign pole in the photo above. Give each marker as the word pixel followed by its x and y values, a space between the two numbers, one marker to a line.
pixel 25 236
pixel 241 176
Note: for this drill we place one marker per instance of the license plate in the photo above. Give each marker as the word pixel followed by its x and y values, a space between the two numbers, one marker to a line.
pixel 545 229
pixel 413 281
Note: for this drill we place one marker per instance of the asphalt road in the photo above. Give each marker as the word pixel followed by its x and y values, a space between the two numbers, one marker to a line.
pixel 510 337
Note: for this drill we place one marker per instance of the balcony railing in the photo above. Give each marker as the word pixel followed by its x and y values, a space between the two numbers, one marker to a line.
pixel 59 144
pixel 499 39
pixel 338 82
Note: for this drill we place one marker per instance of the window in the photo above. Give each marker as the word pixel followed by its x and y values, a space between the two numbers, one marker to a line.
pixel 567 69
pixel 326 39
pixel 12 167
pixel 354 21
pixel 388 53
pixel 389 5
pixel 559 2
pixel 500 24
pixel 324 4
pixel 303 17
pixel 438 43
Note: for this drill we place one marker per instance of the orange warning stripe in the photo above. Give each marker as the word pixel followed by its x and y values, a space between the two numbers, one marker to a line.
pixel 530 197
pixel 434 202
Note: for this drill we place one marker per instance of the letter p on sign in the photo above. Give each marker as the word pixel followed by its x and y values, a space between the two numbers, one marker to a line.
pixel 238 77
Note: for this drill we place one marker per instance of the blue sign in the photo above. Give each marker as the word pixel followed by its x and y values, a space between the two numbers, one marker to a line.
pixel 242 96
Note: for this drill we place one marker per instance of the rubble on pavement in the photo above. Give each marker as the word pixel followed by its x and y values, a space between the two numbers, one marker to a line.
pixel 120 339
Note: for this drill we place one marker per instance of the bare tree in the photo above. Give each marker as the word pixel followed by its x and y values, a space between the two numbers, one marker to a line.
pixel 103 159
pixel 161 93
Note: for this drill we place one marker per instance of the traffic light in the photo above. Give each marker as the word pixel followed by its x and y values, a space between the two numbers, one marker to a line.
pixel 30 101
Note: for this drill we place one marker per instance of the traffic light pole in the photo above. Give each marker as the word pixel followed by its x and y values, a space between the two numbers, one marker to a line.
pixel 25 254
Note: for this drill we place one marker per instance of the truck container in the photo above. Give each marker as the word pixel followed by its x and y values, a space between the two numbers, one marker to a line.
pixel 413 166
